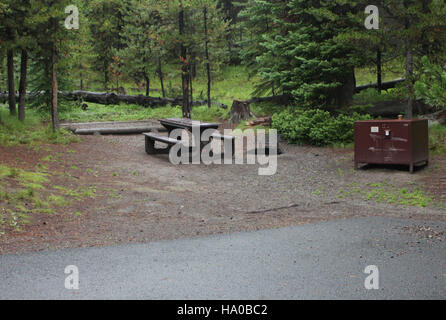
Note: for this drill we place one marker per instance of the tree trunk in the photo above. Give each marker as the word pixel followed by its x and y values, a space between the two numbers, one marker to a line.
pixel 379 69
pixel 82 79
pixel 344 94
pixel 106 76
pixel 240 110
pixel 11 88
pixel 191 90
pixel 147 78
pixel 184 68
pixel 193 66
pixel 23 83
pixel 161 76
pixel 410 84
pixel 208 65
pixel 54 86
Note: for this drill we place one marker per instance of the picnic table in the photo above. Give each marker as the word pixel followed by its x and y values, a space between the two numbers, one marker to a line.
pixel 186 124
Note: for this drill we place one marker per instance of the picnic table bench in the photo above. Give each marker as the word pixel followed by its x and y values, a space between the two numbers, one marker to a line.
pixel 151 137
pixel 185 124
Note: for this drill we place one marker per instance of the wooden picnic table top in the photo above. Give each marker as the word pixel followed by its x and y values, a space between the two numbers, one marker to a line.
pixel 187 123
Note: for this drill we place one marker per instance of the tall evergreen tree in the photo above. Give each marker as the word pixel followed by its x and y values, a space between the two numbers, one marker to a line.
pixel 301 56
pixel 106 23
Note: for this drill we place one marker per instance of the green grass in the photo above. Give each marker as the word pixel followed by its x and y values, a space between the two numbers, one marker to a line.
pixel 406 196
pixel 24 193
pixel 382 192
pixel 32 132
pixel 391 71
pixel 230 83
pixel 403 196
pixel 124 112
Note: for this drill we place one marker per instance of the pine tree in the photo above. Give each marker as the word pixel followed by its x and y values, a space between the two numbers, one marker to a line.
pixel 52 39
pixel 106 21
pixel 258 20
pixel 300 56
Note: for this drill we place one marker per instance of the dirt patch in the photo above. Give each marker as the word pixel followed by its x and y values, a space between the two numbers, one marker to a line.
pixel 142 198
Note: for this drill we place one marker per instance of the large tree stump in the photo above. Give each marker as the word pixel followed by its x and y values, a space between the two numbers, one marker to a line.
pixel 240 111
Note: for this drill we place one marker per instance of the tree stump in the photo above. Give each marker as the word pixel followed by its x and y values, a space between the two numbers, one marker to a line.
pixel 240 110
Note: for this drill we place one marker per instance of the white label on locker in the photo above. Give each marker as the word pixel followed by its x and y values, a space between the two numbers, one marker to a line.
pixel 374 129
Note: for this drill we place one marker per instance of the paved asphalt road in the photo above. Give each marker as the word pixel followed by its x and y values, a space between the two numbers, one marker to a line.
pixel 316 261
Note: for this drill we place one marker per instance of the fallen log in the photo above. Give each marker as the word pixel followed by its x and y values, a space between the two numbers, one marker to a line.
pixel 391 109
pixel 114 127
pixel 104 131
pixel 110 98
pixel 384 86
pixel 113 98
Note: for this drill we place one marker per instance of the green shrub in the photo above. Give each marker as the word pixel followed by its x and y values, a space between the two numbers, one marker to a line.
pixel 316 127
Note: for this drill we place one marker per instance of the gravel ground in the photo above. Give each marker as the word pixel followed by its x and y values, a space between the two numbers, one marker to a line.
pixel 155 200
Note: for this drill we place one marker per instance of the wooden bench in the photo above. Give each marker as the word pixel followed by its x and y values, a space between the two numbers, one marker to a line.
pixel 152 137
